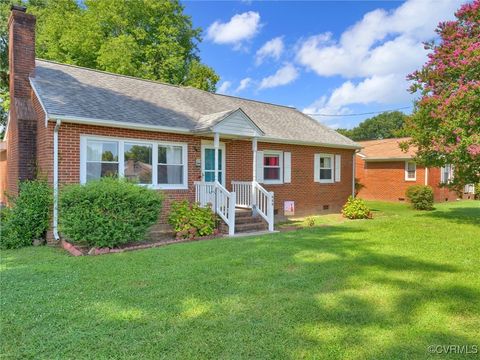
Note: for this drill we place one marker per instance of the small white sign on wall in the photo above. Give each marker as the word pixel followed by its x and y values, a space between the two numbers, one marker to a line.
pixel 289 208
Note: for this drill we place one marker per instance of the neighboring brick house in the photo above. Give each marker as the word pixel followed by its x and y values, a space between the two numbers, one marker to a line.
pixel 73 124
pixel 385 172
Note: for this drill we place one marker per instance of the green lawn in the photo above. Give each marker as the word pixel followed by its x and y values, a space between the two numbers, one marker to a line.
pixel 371 289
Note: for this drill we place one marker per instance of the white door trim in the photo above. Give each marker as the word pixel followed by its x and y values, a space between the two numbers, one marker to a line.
pixel 224 156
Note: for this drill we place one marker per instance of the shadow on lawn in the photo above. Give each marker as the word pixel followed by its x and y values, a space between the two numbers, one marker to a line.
pixel 323 292
pixel 459 215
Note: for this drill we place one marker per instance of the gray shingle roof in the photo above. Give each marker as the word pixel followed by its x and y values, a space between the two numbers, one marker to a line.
pixel 76 92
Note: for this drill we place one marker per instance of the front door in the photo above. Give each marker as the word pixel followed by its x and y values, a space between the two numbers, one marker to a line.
pixel 208 164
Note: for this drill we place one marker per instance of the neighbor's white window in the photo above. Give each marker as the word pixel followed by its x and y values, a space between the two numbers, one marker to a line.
pixel 170 165
pixel 446 174
pixel 410 171
pixel 156 164
pixel 101 159
pixel 323 168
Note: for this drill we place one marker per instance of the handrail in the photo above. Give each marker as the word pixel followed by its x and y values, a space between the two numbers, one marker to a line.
pixel 220 199
pixel 251 194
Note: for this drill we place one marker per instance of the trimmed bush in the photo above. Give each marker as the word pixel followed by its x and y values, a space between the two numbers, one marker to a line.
pixel 108 212
pixel 189 220
pixel 356 208
pixel 28 217
pixel 420 196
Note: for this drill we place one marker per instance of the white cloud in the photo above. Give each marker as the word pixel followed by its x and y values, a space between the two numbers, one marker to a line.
pixel 244 83
pixel 283 76
pixel 378 51
pixel 224 87
pixel 362 50
pixel 241 27
pixel 379 89
pixel 272 48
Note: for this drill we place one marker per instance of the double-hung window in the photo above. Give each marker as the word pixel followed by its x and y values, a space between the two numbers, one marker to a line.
pixel 155 164
pixel 101 159
pixel 324 168
pixel 170 165
pixel 410 171
pixel 446 174
pixel 272 167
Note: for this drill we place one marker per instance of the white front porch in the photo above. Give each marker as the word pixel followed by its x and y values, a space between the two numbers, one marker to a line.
pixel 212 191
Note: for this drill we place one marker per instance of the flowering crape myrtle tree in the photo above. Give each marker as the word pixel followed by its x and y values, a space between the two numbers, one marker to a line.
pixel 445 126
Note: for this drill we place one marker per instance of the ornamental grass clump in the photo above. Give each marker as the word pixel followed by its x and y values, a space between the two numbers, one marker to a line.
pixel 190 220
pixel 356 208
pixel 108 212
pixel 420 196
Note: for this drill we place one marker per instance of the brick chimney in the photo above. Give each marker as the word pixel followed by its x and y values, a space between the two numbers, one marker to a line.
pixel 22 127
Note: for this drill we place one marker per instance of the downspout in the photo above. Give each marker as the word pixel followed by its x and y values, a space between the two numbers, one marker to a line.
pixel 55 180
pixel 353 171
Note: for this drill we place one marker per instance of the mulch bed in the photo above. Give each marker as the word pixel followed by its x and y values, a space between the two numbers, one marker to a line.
pixel 77 250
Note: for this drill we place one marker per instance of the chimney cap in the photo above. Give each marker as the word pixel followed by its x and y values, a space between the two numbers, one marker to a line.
pixel 18 8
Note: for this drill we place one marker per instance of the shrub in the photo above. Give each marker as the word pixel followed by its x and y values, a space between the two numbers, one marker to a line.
pixel 310 221
pixel 28 217
pixel 420 196
pixel 107 212
pixel 189 220
pixel 356 208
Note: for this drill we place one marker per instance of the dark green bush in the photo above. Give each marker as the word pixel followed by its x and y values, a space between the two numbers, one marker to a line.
pixel 189 220
pixel 356 208
pixel 28 217
pixel 420 196
pixel 107 212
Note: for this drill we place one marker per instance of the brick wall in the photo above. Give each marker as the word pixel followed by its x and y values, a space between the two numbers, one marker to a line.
pixel 440 193
pixel 309 196
pixel 385 180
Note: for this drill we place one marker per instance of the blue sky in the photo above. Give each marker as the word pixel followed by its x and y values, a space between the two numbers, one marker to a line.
pixel 339 58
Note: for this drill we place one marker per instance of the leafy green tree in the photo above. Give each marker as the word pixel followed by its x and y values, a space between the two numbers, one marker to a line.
pixel 383 126
pixel 446 123
pixel 148 39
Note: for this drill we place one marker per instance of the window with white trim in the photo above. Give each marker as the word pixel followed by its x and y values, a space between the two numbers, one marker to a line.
pixel 159 165
pixel 102 159
pixel 170 165
pixel 272 167
pixel 138 162
pixel 326 168
pixel 410 171
pixel 446 175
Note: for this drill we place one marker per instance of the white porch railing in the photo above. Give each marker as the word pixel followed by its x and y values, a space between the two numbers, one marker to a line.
pixel 220 199
pixel 251 194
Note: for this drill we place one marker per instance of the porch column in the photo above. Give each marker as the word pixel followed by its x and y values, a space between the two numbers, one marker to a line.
pixel 216 145
pixel 254 173
pixel 254 149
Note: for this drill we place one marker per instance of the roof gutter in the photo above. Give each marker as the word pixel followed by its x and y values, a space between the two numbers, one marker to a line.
pixel 175 130
pixel 55 180
pixel 119 124
pixel 372 159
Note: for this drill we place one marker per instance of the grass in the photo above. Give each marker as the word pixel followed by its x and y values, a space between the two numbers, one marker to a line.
pixel 370 289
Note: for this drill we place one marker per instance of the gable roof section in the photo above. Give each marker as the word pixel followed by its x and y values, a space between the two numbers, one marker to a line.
pixel 234 122
pixel 84 95
pixel 385 149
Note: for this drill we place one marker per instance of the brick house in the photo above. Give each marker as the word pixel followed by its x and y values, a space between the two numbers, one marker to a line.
pixel 73 124
pixel 385 171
